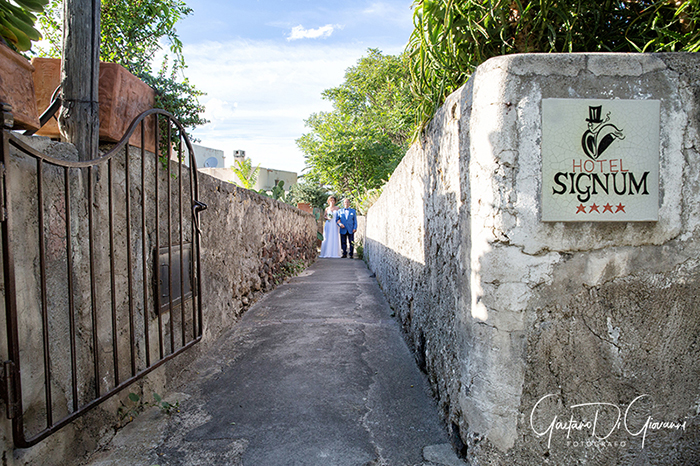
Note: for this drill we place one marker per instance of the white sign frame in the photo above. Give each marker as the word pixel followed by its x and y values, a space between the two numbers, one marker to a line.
pixel 600 160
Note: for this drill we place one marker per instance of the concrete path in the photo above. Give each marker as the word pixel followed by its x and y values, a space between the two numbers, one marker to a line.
pixel 315 373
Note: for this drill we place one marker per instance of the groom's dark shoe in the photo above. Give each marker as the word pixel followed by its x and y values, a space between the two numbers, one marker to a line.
pixel 344 256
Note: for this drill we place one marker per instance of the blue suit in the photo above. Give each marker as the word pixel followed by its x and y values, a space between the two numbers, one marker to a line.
pixel 348 219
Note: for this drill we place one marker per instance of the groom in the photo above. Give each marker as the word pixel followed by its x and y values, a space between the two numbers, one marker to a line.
pixel 347 221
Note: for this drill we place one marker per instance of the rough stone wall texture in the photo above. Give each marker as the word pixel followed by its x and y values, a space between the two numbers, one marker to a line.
pixel 503 309
pixel 247 240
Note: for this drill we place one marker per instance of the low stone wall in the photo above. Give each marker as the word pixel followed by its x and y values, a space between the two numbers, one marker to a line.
pixel 247 241
pixel 548 342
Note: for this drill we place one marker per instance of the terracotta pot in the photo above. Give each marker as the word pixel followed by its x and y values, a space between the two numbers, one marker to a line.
pixel 122 97
pixel 305 207
pixel 17 88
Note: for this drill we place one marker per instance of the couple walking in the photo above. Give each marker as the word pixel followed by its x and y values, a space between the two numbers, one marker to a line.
pixel 339 229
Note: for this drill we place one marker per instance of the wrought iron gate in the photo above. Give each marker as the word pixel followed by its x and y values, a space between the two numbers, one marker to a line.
pixel 101 270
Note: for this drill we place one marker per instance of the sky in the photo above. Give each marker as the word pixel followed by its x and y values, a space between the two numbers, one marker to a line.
pixel 264 64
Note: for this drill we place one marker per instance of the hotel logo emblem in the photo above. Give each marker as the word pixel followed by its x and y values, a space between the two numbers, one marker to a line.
pixel 600 134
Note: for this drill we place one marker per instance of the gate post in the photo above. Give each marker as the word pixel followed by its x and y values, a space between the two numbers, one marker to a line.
pixel 11 380
pixel 80 69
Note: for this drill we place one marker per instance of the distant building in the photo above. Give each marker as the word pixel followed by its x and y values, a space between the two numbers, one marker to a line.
pixel 268 178
pixel 207 157
pixel 238 155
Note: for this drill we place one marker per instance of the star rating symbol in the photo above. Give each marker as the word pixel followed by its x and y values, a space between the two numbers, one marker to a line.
pixel 581 209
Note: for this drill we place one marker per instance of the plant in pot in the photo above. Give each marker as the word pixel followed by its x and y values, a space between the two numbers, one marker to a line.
pixel 16 84
pixel 132 34
pixel 122 97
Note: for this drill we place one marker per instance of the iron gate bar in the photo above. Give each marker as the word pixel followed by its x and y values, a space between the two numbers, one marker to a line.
pixel 44 305
pixel 130 284
pixel 12 366
pixel 11 371
pixel 144 253
pixel 195 320
pixel 113 273
pixel 157 208
pixel 71 299
pixel 170 233
pixel 93 281
pixel 182 243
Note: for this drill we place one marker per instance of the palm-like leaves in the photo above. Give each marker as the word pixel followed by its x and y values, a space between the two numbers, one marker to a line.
pixel 17 22
pixel 452 37
pixel 245 172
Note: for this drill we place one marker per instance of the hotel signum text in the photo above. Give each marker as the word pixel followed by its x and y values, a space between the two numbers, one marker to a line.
pixel 600 160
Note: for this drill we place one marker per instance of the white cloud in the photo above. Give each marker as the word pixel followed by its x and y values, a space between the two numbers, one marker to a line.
pixel 387 10
pixel 260 92
pixel 217 109
pixel 298 32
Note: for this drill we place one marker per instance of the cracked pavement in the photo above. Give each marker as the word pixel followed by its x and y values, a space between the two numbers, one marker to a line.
pixel 315 373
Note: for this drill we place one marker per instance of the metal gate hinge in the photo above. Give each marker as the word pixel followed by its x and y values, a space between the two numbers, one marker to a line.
pixel 7 380
pixel 197 207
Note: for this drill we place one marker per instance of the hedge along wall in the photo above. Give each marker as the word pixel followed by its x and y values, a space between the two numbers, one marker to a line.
pixel 518 321
pixel 247 239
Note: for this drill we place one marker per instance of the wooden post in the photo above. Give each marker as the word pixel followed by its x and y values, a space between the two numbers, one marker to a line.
pixel 78 118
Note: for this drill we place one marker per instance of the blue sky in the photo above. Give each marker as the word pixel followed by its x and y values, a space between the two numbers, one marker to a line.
pixel 264 63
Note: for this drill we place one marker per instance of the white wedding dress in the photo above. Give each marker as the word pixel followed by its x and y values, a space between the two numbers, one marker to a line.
pixel 330 247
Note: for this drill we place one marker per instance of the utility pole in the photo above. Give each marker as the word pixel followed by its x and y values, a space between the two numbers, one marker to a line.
pixel 78 118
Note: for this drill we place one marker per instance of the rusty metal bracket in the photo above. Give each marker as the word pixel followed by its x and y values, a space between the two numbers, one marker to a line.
pixel 50 112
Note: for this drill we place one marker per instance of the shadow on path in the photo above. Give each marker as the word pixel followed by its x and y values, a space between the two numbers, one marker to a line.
pixel 315 373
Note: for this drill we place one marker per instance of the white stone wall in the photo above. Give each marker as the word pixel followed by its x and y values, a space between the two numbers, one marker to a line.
pixel 503 309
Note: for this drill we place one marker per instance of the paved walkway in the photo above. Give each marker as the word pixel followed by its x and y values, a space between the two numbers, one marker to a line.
pixel 315 373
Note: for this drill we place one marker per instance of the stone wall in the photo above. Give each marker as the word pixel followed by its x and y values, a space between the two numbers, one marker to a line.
pixel 247 240
pixel 518 322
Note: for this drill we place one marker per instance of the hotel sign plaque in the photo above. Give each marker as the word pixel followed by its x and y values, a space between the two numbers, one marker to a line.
pixel 600 160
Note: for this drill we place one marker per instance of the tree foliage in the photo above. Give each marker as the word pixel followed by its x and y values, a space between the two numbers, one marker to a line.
pixel 358 144
pixel 131 32
pixel 451 38
pixel 134 29
pixel 310 193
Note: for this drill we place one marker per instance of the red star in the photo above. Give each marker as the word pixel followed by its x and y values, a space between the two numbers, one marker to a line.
pixel 607 207
pixel 620 207
pixel 581 208
pixel 594 207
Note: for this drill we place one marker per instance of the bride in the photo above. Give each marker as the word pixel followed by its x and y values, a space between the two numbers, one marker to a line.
pixel 330 247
